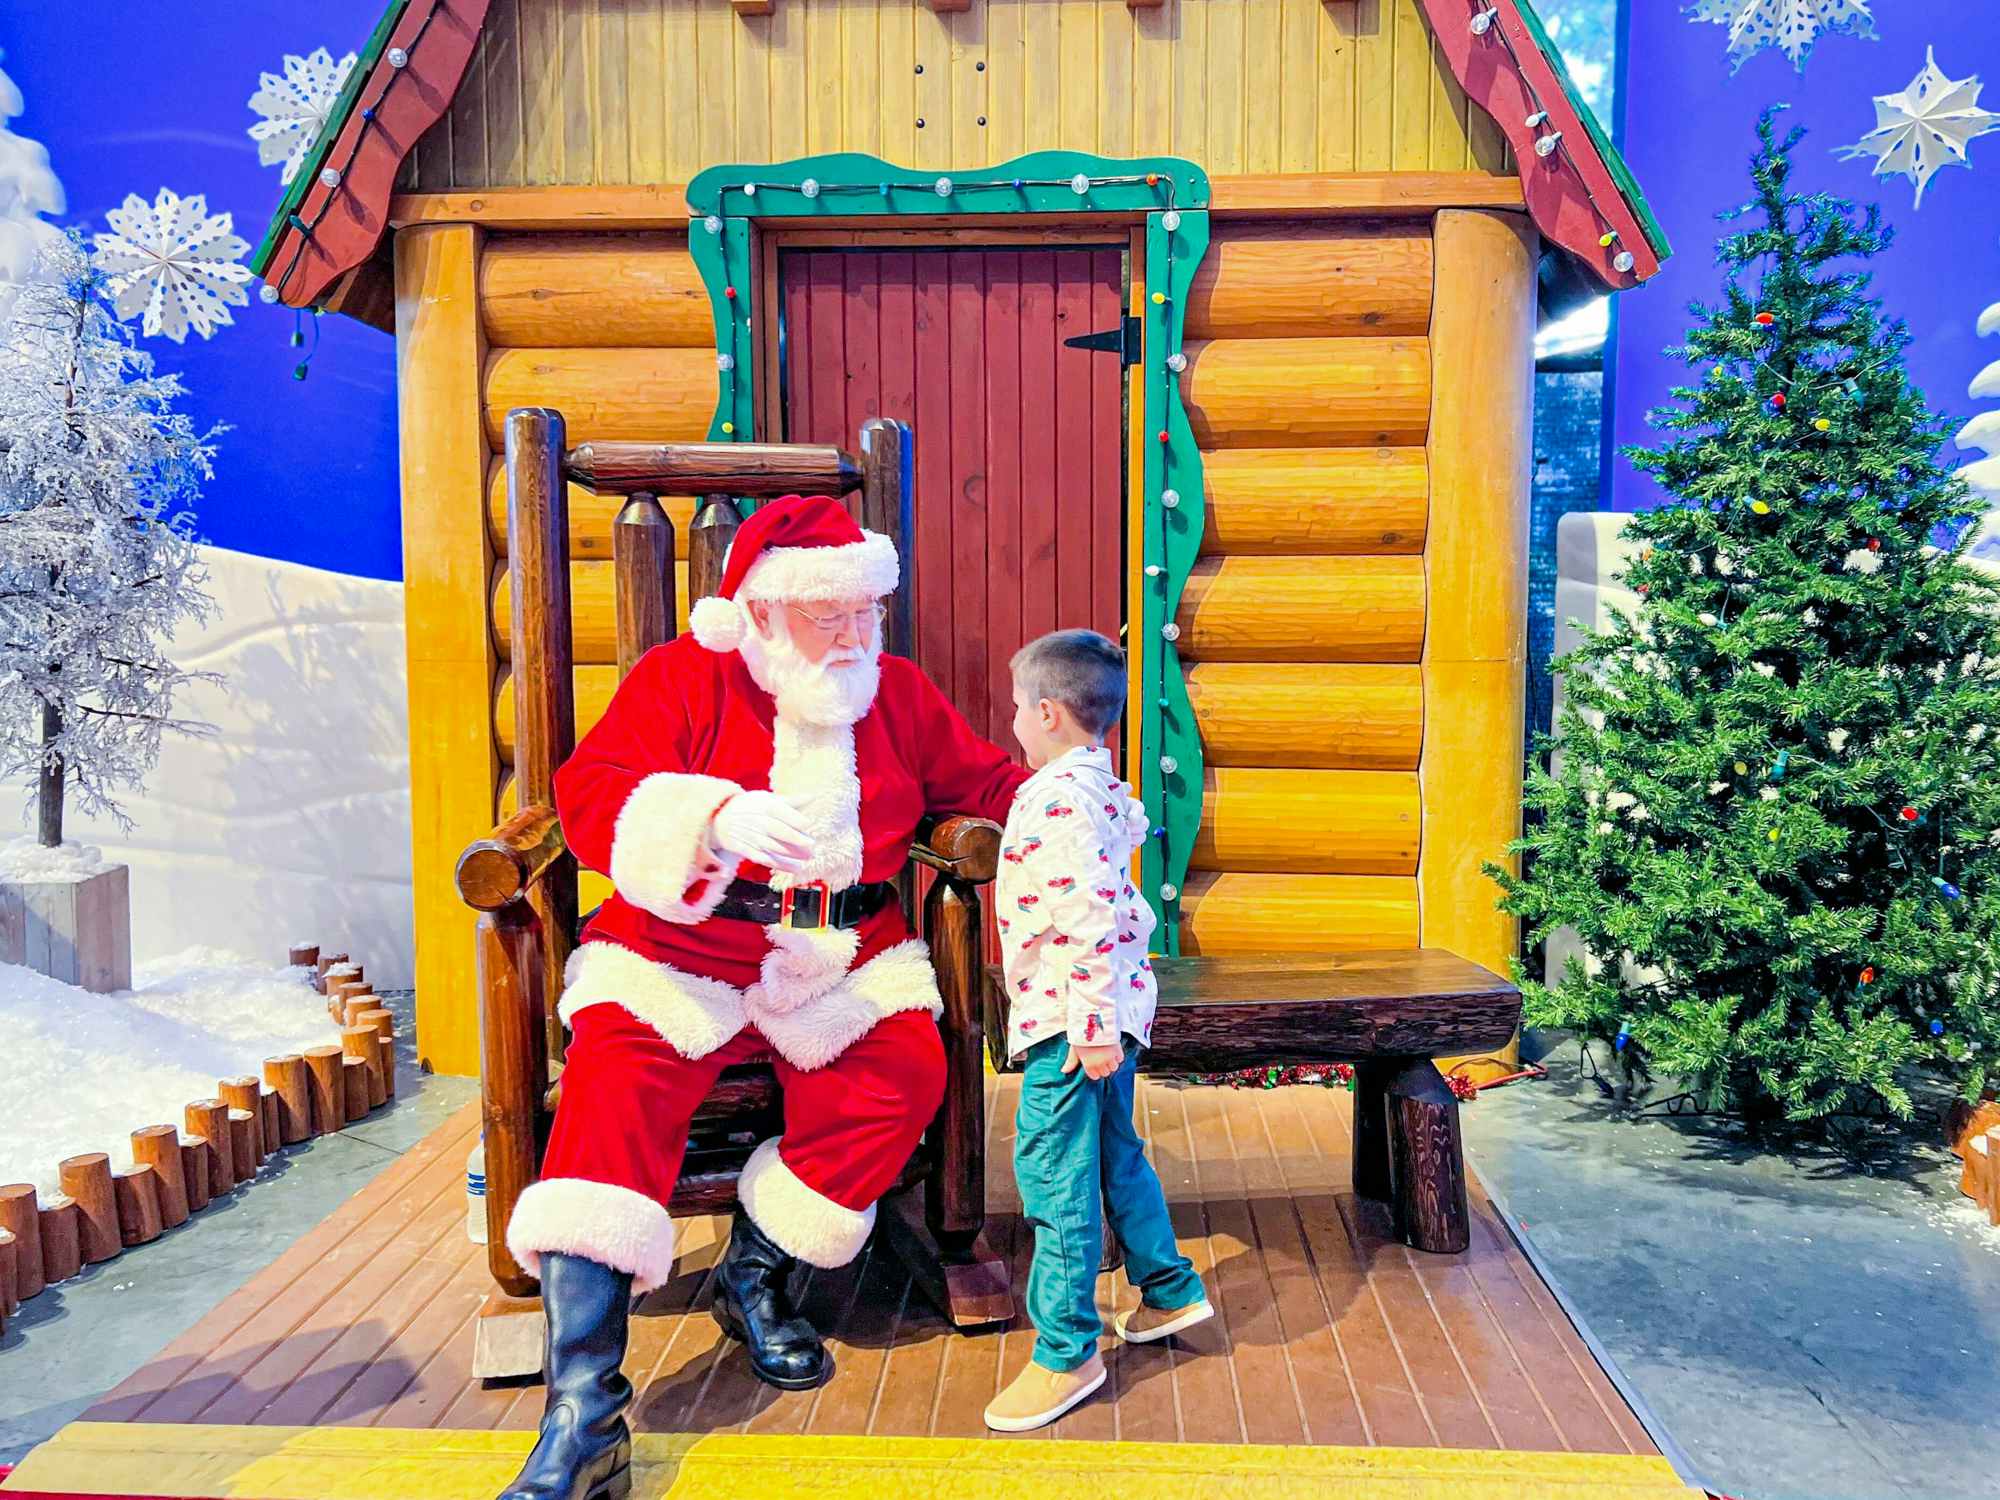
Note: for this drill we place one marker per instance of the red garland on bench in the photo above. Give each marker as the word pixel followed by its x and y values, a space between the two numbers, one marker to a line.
pixel 1322 1075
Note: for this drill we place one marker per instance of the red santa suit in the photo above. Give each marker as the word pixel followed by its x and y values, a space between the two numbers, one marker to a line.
pixel 662 995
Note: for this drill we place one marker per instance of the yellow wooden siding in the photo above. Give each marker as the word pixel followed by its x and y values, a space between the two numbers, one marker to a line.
pixel 636 91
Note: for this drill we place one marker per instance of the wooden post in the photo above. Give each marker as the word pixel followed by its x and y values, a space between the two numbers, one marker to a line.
pixel 287 1077
pixel 642 562
pixel 327 1092
pixel 514 1075
pixel 364 1043
pixel 709 535
pixel 384 1023
pixel 1371 1126
pixel 244 1094
pixel 195 1166
pixel 333 981
pixel 1475 578
pixel 10 1276
pixel 243 1144
pixel 543 658
pixel 955 1196
pixel 447 565
pixel 268 1122
pixel 303 956
pixel 137 1189
pixel 209 1119
pixel 87 1179
pixel 326 961
pixel 357 999
pixel 1427 1161
pixel 18 1216
pixel 354 1074
pixel 62 1242
pixel 886 459
pixel 159 1147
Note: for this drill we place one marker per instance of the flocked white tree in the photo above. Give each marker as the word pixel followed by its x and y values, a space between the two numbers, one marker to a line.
pixel 97 557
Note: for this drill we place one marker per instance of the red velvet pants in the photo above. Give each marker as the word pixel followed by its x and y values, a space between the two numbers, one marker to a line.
pixel 621 1131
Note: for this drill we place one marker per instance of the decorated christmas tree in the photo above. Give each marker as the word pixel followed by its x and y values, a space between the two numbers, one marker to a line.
pixel 1771 810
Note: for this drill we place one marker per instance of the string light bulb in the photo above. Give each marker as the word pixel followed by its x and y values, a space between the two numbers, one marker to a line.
pixel 728 429
pixel 712 224
pixel 329 177
pixel 809 188
pixel 1537 120
pixel 942 187
pixel 1483 22
pixel 749 189
pixel 1079 184
pixel 1168 765
pixel 1170 892
pixel 1177 361
pixel 1623 262
pixel 1545 145
pixel 267 293
pixel 398 58
pixel 725 362
pixel 1170 220
pixel 1170 499
pixel 1170 631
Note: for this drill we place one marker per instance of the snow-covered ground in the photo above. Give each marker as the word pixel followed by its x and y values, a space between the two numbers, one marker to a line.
pixel 84 1071
pixel 292 823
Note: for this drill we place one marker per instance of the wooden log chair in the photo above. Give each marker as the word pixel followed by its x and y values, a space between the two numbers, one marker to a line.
pixel 523 879
pixel 1389 1013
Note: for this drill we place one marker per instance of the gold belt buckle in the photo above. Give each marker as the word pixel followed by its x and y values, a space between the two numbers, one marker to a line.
pixel 787 905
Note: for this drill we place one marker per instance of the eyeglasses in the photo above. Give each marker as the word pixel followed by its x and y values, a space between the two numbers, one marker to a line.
pixel 868 617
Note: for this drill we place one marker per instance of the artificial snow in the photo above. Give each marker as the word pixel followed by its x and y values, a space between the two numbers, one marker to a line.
pixel 84 1071
pixel 291 823
pixel 24 861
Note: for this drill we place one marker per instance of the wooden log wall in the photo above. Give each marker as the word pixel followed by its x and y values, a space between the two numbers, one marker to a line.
pixel 1310 387
pixel 572 92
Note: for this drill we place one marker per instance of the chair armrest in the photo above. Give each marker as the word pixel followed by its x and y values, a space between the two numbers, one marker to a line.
pixel 964 848
pixel 499 869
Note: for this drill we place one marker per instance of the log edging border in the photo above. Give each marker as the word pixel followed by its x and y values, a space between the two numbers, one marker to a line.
pixel 101 1213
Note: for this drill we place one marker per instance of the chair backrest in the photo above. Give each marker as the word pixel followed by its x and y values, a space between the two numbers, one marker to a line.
pixel 540 468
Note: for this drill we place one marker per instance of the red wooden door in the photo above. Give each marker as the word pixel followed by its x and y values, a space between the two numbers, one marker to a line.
pixel 1019 506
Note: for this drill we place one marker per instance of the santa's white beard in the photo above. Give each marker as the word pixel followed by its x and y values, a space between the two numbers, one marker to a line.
pixel 837 689
pixel 812 767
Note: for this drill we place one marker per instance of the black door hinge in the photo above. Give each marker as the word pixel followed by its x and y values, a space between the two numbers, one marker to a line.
pixel 1122 341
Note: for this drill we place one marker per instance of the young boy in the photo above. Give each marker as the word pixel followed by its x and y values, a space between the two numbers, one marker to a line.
pixel 1073 935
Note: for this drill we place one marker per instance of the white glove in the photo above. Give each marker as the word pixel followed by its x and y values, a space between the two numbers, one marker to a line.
pixel 1137 824
pixel 763 829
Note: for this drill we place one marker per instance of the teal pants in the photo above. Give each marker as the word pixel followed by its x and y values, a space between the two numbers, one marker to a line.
pixel 1077 1158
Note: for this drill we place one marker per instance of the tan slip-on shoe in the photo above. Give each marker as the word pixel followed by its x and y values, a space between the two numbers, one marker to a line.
pixel 1038 1396
pixel 1144 1324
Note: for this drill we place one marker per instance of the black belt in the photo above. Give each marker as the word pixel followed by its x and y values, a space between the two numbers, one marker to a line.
pixel 809 906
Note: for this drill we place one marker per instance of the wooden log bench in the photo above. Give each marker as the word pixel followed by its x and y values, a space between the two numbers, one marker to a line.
pixel 1389 1013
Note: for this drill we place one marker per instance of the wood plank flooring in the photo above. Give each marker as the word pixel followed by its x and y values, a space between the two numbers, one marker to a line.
pixel 1330 1332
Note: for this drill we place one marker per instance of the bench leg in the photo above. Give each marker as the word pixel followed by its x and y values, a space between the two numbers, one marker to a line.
pixel 1427 1161
pixel 1371 1126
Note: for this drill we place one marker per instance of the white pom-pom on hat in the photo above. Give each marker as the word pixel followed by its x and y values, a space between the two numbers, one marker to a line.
pixel 717 623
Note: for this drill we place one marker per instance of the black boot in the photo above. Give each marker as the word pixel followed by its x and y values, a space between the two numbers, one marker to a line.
pixel 752 1305
pixel 585 1451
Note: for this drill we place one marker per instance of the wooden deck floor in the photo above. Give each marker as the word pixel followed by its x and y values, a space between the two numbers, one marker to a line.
pixel 1329 1333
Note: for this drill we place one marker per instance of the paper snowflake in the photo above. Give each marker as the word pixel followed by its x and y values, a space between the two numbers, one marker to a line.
pixel 1793 25
pixel 174 262
pixel 295 106
pixel 1925 127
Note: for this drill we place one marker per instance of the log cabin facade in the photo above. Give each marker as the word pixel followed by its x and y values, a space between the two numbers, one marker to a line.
pixel 1212 321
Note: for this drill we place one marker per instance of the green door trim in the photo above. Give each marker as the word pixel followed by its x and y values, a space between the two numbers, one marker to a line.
pixel 1170 196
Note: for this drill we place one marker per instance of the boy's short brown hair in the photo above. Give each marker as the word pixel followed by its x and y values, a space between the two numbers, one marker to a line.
pixel 1081 670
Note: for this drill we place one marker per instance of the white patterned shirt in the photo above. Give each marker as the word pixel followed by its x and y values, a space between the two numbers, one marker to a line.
pixel 1073 930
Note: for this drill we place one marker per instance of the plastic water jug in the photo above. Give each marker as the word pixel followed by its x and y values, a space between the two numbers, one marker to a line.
pixel 475 1192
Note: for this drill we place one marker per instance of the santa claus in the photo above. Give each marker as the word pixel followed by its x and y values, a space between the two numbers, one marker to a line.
pixel 752 792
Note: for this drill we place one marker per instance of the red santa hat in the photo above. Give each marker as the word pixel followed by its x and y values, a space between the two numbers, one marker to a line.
pixel 796 550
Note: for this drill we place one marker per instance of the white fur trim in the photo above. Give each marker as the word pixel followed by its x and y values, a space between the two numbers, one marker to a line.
pixel 600 1221
pixel 660 850
pixel 866 569
pixel 694 1013
pixel 804 964
pixel 718 624
pixel 803 1221
pixel 813 1034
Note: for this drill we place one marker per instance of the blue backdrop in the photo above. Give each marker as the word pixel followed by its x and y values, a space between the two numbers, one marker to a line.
pixel 133 95
pixel 1688 132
